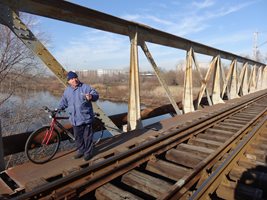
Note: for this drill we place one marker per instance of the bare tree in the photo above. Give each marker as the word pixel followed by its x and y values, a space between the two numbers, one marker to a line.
pixel 19 70
pixel 16 60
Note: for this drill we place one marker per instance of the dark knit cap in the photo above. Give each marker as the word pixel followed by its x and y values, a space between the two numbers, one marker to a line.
pixel 71 75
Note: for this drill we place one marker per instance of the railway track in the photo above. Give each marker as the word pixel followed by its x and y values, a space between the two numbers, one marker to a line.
pixel 243 173
pixel 170 164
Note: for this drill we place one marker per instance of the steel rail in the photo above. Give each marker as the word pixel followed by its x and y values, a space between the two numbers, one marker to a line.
pixel 177 191
pixel 118 164
pixel 213 180
pixel 73 13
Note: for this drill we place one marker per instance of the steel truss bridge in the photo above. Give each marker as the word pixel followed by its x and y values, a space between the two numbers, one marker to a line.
pixel 165 162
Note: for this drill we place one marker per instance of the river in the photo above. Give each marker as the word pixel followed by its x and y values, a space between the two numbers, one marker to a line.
pixel 29 108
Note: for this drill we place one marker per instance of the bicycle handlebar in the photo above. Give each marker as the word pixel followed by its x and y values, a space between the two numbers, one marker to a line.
pixel 53 112
pixel 56 111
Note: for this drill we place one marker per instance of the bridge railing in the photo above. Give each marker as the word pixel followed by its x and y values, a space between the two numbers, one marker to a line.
pixel 233 85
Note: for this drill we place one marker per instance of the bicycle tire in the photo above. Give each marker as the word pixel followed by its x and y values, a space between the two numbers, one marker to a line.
pixel 39 153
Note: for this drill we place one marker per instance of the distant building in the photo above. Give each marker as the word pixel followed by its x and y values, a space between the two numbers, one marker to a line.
pixel 110 72
pixel 101 72
pixel 147 74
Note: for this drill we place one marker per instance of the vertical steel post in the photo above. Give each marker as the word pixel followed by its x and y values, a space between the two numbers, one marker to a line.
pixel 188 84
pixel 231 81
pixel 259 78
pixel 245 84
pixel 264 77
pixel 2 161
pixel 134 113
pixel 243 80
pixel 223 80
pixel 252 80
pixel 216 86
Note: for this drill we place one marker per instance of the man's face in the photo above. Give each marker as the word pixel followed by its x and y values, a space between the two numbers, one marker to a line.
pixel 74 82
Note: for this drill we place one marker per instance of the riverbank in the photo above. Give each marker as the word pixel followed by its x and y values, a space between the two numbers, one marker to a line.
pixel 152 94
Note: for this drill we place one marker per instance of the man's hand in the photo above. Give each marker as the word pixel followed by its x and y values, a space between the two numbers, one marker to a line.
pixel 88 97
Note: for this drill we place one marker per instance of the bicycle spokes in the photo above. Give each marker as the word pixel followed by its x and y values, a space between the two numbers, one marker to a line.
pixel 42 145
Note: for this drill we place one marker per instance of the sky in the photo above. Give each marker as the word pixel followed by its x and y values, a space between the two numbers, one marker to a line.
pixel 229 25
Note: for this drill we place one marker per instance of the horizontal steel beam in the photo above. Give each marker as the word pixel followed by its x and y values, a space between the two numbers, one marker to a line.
pixel 69 12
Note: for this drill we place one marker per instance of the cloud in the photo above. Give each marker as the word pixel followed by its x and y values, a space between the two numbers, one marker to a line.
pixel 95 49
pixel 106 50
pixel 147 19
pixel 188 26
pixel 226 10
pixel 195 21
pixel 131 17
pixel 203 4
pixel 98 49
pixel 191 20
pixel 158 20
pixel 230 38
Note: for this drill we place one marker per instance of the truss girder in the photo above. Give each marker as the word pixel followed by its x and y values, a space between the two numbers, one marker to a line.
pixel 70 12
pixel 139 34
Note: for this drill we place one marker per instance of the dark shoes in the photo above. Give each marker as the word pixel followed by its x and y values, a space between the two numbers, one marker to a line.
pixel 88 157
pixel 78 155
pixel 85 158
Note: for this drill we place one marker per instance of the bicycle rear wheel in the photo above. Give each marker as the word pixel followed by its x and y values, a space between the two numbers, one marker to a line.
pixel 37 150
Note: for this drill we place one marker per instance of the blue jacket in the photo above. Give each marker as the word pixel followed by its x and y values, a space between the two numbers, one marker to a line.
pixel 80 109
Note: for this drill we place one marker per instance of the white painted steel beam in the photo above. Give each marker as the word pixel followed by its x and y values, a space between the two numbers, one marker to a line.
pixel 243 80
pixel 223 81
pixel 231 81
pixel 188 84
pixel 134 116
pixel 252 80
pixel 216 85
pixel 234 82
pixel 264 77
pixel 259 79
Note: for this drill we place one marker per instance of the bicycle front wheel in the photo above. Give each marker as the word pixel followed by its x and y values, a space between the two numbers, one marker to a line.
pixel 41 146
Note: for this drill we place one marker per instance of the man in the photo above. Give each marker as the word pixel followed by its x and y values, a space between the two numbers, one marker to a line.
pixel 77 98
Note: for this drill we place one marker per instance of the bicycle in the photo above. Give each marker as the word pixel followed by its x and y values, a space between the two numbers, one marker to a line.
pixel 43 144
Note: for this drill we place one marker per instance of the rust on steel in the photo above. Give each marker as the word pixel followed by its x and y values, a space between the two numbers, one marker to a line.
pixel 215 180
pixel 69 12
pixel 116 164
pixel 119 120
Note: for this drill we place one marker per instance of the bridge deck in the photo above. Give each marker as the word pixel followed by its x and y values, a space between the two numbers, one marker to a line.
pixel 29 175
